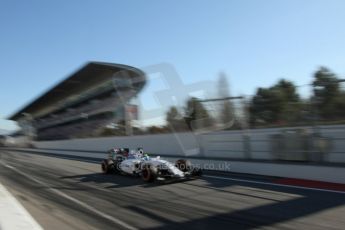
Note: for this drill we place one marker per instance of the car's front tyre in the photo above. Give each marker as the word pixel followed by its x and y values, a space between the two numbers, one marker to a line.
pixel 183 165
pixel 149 173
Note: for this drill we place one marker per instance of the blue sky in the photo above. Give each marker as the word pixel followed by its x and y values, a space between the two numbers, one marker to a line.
pixel 253 42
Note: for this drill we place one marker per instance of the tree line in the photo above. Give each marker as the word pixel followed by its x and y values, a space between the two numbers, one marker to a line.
pixel 281 104
pixel 277 105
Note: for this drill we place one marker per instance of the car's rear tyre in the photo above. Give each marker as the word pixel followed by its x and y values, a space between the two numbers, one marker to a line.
pixel 183 165
pixel 149 173
pixel 107 167
pixel 116 167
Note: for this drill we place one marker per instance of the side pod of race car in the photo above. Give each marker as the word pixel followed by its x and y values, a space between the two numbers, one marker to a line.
pixel 136 163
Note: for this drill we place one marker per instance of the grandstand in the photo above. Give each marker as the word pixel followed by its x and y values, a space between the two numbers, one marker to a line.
pixel 81 105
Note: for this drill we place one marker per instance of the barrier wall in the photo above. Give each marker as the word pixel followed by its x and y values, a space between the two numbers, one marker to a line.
pixel 326 144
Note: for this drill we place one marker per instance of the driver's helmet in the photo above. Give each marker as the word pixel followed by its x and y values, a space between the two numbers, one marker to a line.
pixel 140 152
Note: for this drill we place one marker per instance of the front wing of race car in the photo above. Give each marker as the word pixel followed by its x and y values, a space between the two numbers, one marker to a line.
pixel 163 175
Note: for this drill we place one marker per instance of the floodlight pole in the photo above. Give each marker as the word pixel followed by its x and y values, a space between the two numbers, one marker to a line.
pixel 247 150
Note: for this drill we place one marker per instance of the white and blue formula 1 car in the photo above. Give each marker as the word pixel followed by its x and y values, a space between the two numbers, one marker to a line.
pixel 137 163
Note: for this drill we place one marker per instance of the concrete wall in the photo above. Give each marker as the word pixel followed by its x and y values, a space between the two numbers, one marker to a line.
pixel 328 144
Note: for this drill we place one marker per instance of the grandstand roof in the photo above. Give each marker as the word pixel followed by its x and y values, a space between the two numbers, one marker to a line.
pixel 87 76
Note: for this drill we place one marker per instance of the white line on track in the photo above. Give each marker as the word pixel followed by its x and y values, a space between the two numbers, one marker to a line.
pixel 273 184
pixel 13 216
pixel 80 203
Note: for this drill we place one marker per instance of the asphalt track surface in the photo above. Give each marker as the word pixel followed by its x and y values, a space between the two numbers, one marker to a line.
pixel 71 194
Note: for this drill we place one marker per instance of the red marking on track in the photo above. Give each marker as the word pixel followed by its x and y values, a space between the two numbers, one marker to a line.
pixel 311 184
